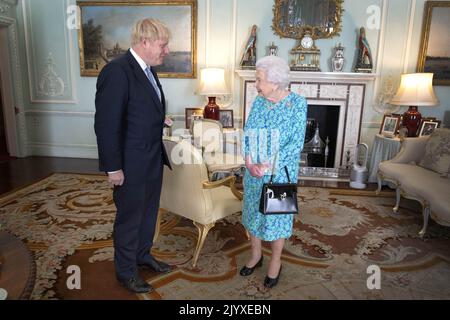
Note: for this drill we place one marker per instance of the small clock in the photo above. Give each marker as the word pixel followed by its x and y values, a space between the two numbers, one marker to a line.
pixel 307 41
pixel 305 54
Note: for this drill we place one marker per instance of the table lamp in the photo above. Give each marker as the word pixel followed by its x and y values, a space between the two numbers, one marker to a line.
pixel 212 84
pixel 416 89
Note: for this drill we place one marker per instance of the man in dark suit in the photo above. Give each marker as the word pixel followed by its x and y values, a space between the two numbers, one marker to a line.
pixel 130 112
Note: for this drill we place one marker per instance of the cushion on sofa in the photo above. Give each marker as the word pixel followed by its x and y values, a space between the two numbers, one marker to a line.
pixel 437 151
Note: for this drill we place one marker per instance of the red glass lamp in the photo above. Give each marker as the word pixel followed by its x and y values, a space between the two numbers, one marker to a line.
pixel 212 84
pixel 416 89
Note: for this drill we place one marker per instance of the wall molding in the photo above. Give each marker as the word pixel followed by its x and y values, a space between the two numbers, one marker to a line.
pixel 33 74
pixel 406 53
pixel 16 128
pixel 381 50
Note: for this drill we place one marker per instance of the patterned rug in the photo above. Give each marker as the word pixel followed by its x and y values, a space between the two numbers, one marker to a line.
pixel 66 220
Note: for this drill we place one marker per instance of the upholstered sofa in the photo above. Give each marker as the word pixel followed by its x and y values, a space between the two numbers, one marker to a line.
pixel 421 171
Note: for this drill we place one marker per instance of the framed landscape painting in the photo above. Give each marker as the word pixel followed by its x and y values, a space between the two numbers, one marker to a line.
pixel 106 31
pixel 434 55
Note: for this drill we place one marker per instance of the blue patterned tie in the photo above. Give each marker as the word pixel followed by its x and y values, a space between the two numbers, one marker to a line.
pixel 150 77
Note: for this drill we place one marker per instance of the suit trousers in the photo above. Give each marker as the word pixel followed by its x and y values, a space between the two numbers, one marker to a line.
pixel 134 227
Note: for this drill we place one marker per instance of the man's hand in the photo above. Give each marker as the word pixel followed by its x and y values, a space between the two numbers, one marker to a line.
pixel 116 178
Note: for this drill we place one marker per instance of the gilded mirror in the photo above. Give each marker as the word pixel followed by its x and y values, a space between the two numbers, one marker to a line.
pixel 322 17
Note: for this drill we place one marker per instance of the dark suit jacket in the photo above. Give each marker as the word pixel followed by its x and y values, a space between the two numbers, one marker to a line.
pixel 129 121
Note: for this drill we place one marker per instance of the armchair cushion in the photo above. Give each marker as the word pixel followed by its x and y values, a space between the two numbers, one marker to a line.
pixel 437 152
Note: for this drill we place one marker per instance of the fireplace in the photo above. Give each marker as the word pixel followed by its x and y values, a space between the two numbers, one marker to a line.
pixel 335 102
pixel 323 127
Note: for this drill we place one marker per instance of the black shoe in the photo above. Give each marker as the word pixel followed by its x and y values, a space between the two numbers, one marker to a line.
pixel 155 265
pixel 272 282
pixel 246 271
pixel 137 285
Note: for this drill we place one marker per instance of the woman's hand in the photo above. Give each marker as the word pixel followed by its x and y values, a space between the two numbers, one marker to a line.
pixel 257 170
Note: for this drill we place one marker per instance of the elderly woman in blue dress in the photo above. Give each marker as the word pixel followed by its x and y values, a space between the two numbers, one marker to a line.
pixel 274 132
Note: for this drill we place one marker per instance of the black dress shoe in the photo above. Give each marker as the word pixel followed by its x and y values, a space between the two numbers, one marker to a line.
pixel 246 271
pixel 137 285
pixel 155 265
pixel 272 282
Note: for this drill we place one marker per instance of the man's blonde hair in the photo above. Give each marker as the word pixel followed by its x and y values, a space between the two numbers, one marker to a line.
pixel 151 29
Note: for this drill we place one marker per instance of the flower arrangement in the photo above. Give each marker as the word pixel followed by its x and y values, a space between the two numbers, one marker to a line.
pixel 168 121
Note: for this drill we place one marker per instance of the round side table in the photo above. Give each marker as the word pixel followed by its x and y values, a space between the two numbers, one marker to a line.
pixel 17 267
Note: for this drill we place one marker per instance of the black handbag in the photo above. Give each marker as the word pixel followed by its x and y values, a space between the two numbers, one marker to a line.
pixel 279 198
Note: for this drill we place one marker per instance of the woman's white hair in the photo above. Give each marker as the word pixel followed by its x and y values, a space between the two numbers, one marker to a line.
pixel 276 70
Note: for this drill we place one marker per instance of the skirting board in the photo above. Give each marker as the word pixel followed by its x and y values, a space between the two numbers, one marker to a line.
pixel 64 151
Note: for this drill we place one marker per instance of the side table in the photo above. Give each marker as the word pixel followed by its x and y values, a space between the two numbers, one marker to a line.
pixel 17 267
pixel 383 149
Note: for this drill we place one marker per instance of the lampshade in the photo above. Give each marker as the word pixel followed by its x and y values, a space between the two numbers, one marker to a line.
pixel 416 89
pixel 212 82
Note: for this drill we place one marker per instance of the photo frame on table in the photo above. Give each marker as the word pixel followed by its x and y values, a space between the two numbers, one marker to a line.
pixel 389 125
pixel 226 118
pixel 427 126
pixel 105 33
pixel 192 114
pixel 434 55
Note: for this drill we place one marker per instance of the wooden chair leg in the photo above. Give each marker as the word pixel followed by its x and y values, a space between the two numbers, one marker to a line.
pixel 426 215
pixel 380 183
pixel 397 202
pixel 202 233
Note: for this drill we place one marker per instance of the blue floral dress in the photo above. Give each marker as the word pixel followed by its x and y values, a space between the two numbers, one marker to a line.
pixel 272 128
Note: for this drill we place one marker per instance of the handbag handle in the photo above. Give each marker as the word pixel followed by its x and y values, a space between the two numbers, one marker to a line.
pixel 273 169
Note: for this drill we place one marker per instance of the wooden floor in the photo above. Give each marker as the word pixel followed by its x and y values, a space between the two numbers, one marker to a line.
pixel 19 172
pixel 15 173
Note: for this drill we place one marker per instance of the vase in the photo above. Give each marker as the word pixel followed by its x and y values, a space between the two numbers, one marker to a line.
pixel 211 110
pixel 338 61
pixel 411 120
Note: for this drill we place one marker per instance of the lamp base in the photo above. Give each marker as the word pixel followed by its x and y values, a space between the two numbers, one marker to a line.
pixel 411 120
pixel 211 110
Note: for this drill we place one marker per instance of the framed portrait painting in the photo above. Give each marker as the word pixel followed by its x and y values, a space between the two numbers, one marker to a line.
pixel 434 55
pixel 389 125
pixel 106 33
pixel 428 126
pixel 192 114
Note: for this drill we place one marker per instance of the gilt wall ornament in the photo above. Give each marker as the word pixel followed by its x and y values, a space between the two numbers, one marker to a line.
pixel 291 18
pixel 50 84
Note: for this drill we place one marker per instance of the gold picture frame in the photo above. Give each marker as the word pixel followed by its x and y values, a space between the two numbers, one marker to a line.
pixel 292 23
pixel 106 31
pixel 432 56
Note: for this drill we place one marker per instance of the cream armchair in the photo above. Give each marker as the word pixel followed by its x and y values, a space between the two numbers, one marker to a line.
pixel 187 192
pixel 208 136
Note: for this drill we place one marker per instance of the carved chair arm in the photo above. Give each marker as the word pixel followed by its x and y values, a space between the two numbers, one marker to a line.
pixel 228 182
